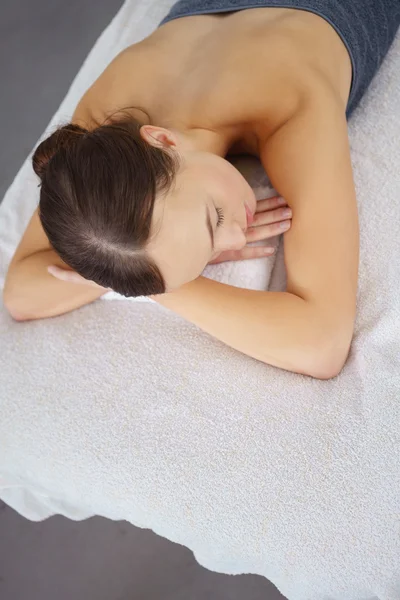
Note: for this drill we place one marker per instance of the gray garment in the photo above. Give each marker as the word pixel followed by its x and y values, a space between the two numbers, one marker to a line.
pixel 367 28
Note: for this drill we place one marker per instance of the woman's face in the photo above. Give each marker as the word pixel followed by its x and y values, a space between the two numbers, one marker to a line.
pixel 203 215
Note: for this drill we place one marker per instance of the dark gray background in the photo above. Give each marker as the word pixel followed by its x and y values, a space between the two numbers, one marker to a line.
pixel 42 46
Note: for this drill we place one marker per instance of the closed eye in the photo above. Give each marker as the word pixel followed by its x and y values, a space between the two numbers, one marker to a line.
pixel 221 217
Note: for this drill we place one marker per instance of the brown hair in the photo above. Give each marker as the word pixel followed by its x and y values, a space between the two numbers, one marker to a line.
pixel 97 196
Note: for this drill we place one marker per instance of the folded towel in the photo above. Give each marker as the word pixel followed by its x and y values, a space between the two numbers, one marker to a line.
pixel 125 410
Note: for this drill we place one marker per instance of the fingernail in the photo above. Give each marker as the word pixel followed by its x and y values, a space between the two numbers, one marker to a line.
pixel 268 250
pixel 285 225
pixel 281 200
pixel 287 212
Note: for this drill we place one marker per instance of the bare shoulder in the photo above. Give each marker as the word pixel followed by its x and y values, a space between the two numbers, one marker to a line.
pixel 314 96
pixel 109 91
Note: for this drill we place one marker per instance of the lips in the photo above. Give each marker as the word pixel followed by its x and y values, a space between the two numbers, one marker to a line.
pixel 250 217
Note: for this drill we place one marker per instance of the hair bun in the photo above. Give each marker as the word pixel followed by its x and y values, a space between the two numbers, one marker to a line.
pixel 63 137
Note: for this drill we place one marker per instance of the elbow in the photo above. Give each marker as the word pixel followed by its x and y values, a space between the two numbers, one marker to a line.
pixel 14 308
pixel 326 369
pixel 328 359
pixel 19 317
pixel 16 314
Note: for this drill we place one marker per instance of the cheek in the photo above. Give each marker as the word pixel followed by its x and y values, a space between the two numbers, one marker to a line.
pixel 234 183
pixel 195 253
pixel 235 190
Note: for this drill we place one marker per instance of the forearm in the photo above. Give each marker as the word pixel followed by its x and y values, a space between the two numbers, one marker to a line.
pixel 30 292
pixel 277 328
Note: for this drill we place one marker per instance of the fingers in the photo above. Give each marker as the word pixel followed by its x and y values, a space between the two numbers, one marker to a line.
pixel 68 276
pixel 246 253
pixel 272 216
pixel 264 232
pixel 249 252
pixel 58 273
pixel 270 203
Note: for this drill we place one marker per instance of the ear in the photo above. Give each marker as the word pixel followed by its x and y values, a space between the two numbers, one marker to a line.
pixel 158 136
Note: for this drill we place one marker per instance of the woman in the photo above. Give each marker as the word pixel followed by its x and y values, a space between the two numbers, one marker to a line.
pixel 137 196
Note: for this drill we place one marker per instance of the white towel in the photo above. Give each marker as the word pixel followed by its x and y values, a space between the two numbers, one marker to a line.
pixel 125 410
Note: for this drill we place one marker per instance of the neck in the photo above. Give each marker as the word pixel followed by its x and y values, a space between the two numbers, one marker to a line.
pixel 209 140
pixel 200 138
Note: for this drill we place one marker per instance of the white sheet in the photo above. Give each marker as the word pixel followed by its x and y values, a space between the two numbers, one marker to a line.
pixel 123 409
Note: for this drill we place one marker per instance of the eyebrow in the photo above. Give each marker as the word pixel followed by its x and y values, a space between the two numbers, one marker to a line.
pixel 209 226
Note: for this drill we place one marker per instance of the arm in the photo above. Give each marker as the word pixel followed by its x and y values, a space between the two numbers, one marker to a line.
pixel 30 292
pixel 307 329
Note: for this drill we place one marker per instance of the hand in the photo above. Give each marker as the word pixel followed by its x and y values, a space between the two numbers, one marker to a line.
pixel 268 220
pixel 73 277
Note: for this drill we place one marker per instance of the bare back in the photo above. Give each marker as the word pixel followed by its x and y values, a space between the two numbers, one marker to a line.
pixel 259 81
pixel 239 72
